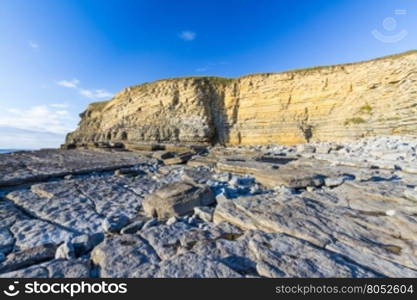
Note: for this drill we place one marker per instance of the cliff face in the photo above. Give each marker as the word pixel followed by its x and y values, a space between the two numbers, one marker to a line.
pixel 332 103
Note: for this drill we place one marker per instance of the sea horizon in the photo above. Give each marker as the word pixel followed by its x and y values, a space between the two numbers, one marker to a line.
pixel 3 151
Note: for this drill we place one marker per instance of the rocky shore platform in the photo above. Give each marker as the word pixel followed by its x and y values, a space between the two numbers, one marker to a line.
pixel 312 210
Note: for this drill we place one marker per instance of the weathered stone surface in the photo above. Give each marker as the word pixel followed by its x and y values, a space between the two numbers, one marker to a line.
pixel 198 175
pixel 34 166
pixel 150 223
pixel 121 256
pixel 9 213
pixel 65 251
pixel 306 148
pixel 177 199
pixel 377 196
pixel 279 255
pixel 411 194
pixel 84 243
pixel 114 223
pixel 128 172
pixel 335 181
pixel 179 159
pixel 30 233
pixel 25 258
pixel 372 261
pixel 166 239
pixel 204 213
pixel 180 236
pixel 83 205
pixel 72 211
pixel 328 227
pixel 273 175
pixel 343 211
pixel 6 240
pixel 191 265
pixel 273 213
pixel 197 161
pixel 58 268
pixel 162 155
pixel 144 147
pixel 133 227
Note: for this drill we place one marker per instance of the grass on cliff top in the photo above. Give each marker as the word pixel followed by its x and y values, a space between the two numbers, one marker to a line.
pixel 303 71
pixel 211 79
pixel 308 70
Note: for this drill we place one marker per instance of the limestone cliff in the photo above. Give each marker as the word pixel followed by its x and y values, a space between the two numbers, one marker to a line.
pixel 329 103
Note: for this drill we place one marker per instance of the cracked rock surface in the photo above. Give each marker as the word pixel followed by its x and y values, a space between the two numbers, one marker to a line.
pixel 316 210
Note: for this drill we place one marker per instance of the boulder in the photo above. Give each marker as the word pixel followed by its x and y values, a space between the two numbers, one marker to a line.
pixel 177 199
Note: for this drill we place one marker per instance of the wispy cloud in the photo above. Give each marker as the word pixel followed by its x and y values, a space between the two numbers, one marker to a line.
pixel 187 35
pixel 42 118
pixel 15 138
pixel 34 45
pixel 69 83
pixel 59 105
pixel 95 94
pixel 89 93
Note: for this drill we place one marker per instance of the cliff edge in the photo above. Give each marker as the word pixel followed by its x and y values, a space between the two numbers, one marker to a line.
pixel 331 103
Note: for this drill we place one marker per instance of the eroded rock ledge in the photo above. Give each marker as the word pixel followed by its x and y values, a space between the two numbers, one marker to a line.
pixel 315 210
pixel 333 103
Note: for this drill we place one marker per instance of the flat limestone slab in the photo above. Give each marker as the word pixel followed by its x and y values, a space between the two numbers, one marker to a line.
pixel 122 256
pixel 273 175
pixel 57 268
pixel 81 205
pixel 351 233
pixel 34 166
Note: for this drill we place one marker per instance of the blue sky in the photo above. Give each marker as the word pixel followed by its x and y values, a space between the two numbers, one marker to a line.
pixel 56 56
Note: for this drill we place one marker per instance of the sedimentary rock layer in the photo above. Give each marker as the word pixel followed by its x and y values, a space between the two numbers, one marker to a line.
pixel 330 103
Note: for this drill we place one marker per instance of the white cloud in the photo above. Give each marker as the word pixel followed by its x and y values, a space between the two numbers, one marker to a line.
pixel 72 84
pixel 14 138
pixel 59 105
pixel 33 45
pixel 187 35
pixel 95 94
pixel 92 94
pixel 40 118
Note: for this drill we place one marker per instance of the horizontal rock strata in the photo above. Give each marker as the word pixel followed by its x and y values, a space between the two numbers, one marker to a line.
pixel 318 104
